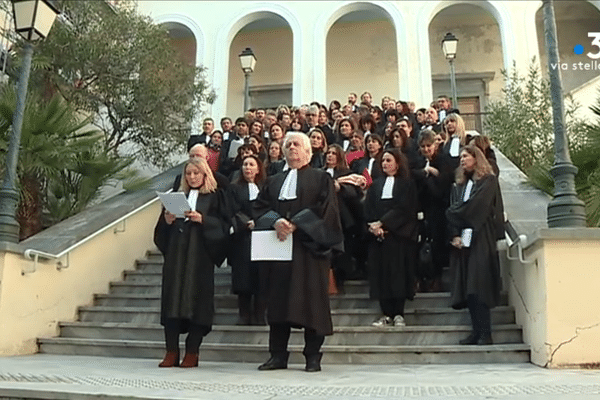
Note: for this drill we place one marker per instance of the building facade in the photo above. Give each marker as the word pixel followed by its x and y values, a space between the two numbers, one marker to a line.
pixel 321 50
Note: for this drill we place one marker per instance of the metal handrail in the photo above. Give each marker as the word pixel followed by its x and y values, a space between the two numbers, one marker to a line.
pixel 514 240
pixel 33 254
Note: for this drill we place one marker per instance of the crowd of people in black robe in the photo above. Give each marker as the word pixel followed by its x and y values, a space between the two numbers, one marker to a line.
pixel 414 195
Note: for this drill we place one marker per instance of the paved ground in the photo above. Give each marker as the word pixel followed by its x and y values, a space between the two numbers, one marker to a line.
pixel 77 377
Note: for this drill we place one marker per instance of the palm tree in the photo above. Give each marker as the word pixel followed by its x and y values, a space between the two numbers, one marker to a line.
pixel 62 162
pixel 584 148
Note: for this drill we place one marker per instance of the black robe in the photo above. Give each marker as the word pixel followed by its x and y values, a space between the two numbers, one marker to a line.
pixel 477 268
pixel 434 195
pixel 297 290
pixel 244 273
pixel 275 167
pixel 353 225
pixel 448 145
pixel 358 166
pixel 392 261
pixel 317 160
pixel 191 251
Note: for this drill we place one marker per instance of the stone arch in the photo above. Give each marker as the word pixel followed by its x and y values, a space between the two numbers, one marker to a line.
pixel 432 9
pixel 326 22
pixel 227 34
pixel 192 26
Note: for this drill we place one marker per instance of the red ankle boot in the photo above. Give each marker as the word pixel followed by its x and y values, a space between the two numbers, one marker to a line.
pixel 190 360
pixel 171 360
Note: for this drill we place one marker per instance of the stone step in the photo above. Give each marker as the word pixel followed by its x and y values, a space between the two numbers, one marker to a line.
pixel 153 289
pixel 125 323
pixel 354 336
pixel 140 283
pixel 221 278
pixel 332 354
pixel 422 300
pixel 340 317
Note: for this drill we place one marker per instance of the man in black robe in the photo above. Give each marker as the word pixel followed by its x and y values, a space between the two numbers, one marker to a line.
pixel 431 121
pixel 445 108
pixel 208 125
pixel 300 202
pixel 201 151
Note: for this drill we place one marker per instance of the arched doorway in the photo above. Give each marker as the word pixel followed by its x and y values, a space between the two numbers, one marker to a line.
pixel 271 39
pixel 182 39
pixel 361 54
pixel 479 58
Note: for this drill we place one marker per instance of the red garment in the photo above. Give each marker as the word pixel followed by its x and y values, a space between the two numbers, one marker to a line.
pixel 213 159
pixel 354 155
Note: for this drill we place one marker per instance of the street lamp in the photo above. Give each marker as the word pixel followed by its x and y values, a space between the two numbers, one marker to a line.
pixel 247 61
pixel 33 20
pixel 565 210
pixel 449 45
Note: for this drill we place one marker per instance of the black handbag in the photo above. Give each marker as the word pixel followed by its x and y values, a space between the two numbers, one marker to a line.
pixel 425 267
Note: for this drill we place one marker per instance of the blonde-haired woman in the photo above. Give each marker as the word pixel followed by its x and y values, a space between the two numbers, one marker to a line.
pixel 475 218
pixel 191 246
pixel 456 137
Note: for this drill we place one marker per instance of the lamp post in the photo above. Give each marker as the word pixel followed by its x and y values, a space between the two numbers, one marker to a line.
pixel 449 45
pixel 247 61
pixel 33 20
pixel 565 209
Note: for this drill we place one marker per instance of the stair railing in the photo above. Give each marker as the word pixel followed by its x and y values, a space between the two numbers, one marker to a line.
pixel 35 255
pixel 514 241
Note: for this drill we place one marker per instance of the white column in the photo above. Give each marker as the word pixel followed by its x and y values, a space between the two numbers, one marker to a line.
pixel 319 59
pixel 522 16
pixel 422 70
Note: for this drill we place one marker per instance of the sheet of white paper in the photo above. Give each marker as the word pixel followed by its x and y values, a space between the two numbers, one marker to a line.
pixel 266 247
pixel 466 237
pixel 175 203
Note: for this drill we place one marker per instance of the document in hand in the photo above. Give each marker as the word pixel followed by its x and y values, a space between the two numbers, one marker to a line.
pixel 265 246
pixel 175 202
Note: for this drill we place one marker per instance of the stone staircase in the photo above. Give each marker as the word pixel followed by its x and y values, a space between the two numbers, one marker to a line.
pixel 125 323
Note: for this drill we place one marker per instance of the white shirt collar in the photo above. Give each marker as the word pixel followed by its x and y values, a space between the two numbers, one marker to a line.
pixel 193 198
pixel 288 189
pixel 370 167
pixel 468 190
pixel 454 146
pixel 253 191
pixel 388 188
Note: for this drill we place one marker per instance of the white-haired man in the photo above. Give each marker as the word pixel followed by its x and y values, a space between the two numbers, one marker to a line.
pixel 300 202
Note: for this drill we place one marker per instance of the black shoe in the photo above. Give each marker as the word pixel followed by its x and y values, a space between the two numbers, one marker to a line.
pixel 313 363
pixel 275 362
pixel 485 339
pixel 473 338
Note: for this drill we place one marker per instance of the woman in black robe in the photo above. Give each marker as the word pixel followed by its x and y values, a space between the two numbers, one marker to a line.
pixel 391 215
pixel 318 143
pixel 300 202
pixel 191 247
pixel 484 144
pixel 476 219
pixel 241 196
pixel 434 181
pixel 456 137
pixel 348 188
pixel 370 164
pixel 399 139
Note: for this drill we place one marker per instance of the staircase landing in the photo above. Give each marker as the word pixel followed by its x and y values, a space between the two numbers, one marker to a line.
pixel 47 376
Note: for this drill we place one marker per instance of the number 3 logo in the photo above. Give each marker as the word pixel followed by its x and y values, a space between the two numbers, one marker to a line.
pixel 595 42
